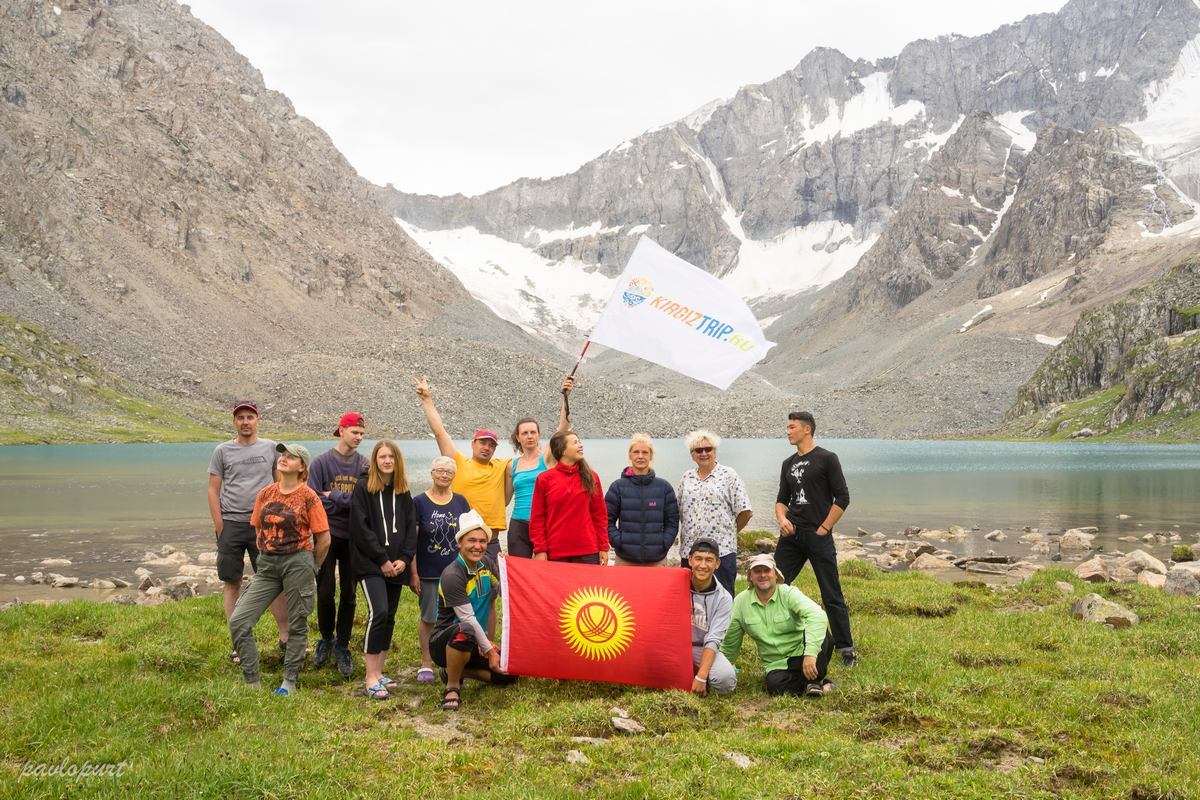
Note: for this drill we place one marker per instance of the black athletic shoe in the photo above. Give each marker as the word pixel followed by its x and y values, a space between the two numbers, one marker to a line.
pixel 341 655
pixel 849 659
pixel 323 652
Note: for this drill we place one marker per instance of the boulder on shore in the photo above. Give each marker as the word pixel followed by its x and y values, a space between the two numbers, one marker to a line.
pixel 1076 540
pixel 928 562
pixel 1184 579
pixel 1093 570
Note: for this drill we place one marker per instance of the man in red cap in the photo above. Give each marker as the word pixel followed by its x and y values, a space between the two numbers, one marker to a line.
pixel 333 475
pixel 485 481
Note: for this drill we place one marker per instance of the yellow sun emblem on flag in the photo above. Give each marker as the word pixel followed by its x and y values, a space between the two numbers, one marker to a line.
pixel 596 623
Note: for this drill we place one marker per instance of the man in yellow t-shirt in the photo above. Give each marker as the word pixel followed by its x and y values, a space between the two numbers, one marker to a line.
pixel 485 482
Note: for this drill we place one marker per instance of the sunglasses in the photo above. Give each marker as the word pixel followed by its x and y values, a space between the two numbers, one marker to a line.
pixel 703 449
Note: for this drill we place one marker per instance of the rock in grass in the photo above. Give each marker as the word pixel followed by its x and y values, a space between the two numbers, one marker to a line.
pixel 764 544
pixel 1141 561
pixel 740 759
pixel 1183 580
pixel 1064 587
pixel 588 740
pixel 1094 608
pixel 1093 571
pixel 626 725
pixel 576 757
pixel 1152 579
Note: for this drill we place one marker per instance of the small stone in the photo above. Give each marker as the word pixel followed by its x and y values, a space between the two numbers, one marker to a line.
pixel 1033 537
pixel 576 757
pixel 588 740
pixel 146 584
pixel 861 532
pixel 625 725
pixel 142 572
pixel 1093 570
pixel 62 581
pixel 740 759
pixel 19 579
pixel 55 562
pixel 1094 608
pixel 1123 516
pixel 1183 579
pixel 984 568
pixel 1035 760
pixel 764 545
pixel 1064 587
pixel 617 711
pixel 995 536
pixel 956 532
pixel 166 550
pixel 1076 540
pixel 208 559
pixel 120 584
pixel 103 584
pixel 877 535
pixel 122 600
pixel 1041 548
pixel 36 578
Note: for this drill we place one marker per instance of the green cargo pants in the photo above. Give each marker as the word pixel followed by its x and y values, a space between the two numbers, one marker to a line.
pixel 295 575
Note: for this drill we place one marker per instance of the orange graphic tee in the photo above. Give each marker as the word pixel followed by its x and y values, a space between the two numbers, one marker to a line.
pixel 286 522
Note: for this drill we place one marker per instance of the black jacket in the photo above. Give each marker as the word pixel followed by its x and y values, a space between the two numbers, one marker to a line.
pixel 643 516
pixel 372 540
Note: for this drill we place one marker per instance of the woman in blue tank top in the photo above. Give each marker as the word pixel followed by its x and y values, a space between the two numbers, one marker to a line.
pixel 533 458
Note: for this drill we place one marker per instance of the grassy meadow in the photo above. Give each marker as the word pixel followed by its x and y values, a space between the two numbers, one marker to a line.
pixel 962 692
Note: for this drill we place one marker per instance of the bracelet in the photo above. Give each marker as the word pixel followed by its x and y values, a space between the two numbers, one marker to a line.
pixel 823 528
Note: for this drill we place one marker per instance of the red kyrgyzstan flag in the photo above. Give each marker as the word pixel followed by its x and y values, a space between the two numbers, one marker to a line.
pixel 591 623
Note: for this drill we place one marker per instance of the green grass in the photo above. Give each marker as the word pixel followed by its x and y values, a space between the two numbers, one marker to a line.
pixel 962 692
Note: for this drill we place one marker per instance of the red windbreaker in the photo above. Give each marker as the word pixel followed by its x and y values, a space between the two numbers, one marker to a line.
pixel 564 521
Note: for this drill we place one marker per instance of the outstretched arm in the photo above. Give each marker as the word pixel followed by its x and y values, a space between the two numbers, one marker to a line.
pixel 444 443
pixel 564 424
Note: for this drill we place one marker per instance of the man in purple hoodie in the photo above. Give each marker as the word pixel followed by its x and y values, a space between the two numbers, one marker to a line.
pixel 333 475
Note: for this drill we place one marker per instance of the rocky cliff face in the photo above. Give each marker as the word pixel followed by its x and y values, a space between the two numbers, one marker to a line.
pixel 1147 346
pixel 785 185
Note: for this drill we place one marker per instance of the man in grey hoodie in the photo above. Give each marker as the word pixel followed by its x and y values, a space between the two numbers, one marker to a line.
pixel 711 611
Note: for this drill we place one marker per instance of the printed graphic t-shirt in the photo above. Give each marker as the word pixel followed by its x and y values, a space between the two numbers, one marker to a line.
pixel 437 526
pixel 483 486
pixel 286 523
pixel 243 470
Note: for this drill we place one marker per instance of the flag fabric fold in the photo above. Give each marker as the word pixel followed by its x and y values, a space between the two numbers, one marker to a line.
pixel 669 312
pixel 584 622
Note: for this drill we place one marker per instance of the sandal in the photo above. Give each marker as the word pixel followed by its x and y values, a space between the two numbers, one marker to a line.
pixel 386 682
pixel 451 703
pixel 425 675
pixel 378 692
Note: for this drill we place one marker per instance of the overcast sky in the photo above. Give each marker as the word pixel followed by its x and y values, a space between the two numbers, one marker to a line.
pixel 445 97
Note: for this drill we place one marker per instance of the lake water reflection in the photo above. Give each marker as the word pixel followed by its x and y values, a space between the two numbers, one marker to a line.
pixel 107 503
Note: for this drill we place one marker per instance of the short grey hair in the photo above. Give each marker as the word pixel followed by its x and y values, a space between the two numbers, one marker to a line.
pixel 696 437
pixel 444 461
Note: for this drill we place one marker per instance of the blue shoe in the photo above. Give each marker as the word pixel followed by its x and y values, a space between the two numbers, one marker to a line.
pixel 281 692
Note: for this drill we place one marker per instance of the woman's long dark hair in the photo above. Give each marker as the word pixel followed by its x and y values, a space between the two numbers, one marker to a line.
pixel 558 446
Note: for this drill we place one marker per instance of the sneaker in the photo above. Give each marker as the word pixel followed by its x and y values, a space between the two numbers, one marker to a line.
pixel 281 692
pixel 323 652
pixel 341 655
pixel 849 659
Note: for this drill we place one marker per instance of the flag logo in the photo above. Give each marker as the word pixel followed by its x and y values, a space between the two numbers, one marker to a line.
pixel 637 291
pixel 596 623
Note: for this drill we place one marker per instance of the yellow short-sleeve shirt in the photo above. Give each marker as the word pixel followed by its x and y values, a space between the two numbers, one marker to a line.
pixel 483 486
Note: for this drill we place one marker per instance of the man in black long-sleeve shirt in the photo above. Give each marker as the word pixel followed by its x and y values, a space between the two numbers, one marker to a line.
pixel 812 497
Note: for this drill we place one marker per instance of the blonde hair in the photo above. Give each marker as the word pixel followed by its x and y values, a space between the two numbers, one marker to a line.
pixel 641 438
pixel 376 481
pixel 696 437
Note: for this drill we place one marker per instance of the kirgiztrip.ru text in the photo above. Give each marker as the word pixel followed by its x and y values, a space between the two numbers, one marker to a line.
pixel 702 323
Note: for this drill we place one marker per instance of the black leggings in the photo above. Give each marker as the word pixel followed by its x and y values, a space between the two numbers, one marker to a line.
pixel 327 609
pixel 519 545
pixel 383 598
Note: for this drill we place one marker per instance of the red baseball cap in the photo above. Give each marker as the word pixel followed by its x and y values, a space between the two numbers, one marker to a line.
pixel 350 420
pixel 484 433
pixel 240 404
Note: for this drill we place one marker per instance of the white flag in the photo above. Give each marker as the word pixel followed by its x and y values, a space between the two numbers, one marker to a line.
pixel 667 311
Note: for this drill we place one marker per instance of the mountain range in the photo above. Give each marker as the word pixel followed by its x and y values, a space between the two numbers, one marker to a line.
pixel 917 233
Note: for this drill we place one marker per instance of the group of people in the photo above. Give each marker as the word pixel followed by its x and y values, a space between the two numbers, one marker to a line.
pixel 314 528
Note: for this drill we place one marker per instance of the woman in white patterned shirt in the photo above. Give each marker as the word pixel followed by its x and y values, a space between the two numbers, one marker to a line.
pixel 714 503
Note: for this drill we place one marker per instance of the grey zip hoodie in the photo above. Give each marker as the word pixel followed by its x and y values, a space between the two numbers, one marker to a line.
pixel 711 612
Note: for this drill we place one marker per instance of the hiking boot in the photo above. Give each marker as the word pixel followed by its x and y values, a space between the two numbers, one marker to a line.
pixel 341 655
pixel 849 659
pixel 323 652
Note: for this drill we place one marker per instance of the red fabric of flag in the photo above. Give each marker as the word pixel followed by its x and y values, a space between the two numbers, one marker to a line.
pixel 591 623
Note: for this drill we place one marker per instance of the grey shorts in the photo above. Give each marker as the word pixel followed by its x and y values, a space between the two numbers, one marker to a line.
pixel 236 540
pixel 429 600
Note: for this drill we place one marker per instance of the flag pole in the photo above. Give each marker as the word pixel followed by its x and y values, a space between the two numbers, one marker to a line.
pixel 566 399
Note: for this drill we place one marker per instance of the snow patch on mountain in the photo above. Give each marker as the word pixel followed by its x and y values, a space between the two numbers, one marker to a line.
pixel 1014 123
pixel 1169 130
pixel 557 301
pixel 866 109
pixel 803 258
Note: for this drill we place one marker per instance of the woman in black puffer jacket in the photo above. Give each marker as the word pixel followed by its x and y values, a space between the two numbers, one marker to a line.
pixel 643 514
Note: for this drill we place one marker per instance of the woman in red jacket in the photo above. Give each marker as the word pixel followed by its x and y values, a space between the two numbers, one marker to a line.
pixel 569 521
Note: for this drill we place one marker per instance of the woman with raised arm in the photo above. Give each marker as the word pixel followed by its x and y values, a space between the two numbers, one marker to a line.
pixel 383 538
pixel 533 458
pixel 568 519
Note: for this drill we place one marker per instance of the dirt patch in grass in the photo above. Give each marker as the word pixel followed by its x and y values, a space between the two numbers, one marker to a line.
pixel 931 608
pixel 978 660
